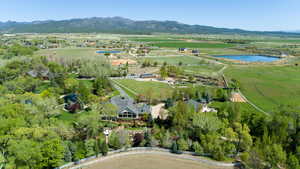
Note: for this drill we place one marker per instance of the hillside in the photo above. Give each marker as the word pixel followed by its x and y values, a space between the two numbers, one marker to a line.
pixel 123 26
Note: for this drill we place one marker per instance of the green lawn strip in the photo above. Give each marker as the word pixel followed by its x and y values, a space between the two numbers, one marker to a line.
pixel 157 89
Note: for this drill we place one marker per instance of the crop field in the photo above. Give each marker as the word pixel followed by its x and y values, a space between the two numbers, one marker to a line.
pixel 204 69
pixel 70 52
pixel 174 60
pixel 151 161
pixel 192 45
pixel 221 51
pixel 157 90
pixel 267 86
pixel 154 39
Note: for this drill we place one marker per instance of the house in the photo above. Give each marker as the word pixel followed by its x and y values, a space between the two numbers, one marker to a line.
pixel 206 109
pixel 182 50
pixel 195 52
pixel 128 109
pixel 148 75
pixel 72 103
pixel 200 105
pixel 40 73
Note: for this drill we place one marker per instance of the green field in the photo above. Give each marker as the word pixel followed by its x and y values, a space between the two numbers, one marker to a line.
pixel 69 52
pixel 267 86
pixel 174 60
pixel 156 89
pixel 192 45
pixel 154 39
pixel 205 69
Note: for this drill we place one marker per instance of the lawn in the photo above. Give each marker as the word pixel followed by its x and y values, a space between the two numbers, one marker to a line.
pixel 150 161
pixel 158 90
pixel 192 45
pixel 268 86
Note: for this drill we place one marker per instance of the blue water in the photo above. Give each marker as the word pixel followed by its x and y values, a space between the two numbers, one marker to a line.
pixel 250 58
pixel 115 51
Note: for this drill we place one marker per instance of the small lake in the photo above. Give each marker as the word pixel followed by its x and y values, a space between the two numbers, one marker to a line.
pixel 112 52
pixel 250 58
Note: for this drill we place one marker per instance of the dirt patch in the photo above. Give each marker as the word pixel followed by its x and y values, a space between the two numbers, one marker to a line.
pixel 150 161
pixel 236 97
pixel 118 62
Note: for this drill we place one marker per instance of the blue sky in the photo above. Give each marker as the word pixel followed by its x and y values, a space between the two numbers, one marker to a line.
pixel 245 14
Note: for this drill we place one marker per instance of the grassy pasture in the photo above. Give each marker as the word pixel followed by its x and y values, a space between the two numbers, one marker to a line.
pixel 154 39
pixel 192 45
pixel 156 89
pixel 268 86
pixel 174 60
pixel 70 52
pixel 151 161
pixel 205 69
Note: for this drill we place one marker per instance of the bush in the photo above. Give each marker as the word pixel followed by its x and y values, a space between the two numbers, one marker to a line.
pixel 104 148
pixel 245 156
pixel 137 139
pixel 198 148
pixel 182 144
pixel 174 148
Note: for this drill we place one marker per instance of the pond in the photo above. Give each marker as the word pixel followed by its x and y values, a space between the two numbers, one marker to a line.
pixel 111 52
pixel 250 58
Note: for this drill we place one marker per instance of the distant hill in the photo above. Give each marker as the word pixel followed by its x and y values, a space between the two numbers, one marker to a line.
pixel 123 26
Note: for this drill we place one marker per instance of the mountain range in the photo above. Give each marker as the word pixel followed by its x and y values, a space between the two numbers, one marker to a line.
pixel 124 26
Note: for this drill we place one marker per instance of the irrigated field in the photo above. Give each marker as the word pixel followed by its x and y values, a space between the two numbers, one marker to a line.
pixel 151 161
pixel 267 86
pixel 192 45
pixel 69 52
pixel 204 69
pixel 174 60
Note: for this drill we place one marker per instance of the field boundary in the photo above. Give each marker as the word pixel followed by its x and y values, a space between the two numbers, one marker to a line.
pixel 245 98
pixel 145 150
pixel 252 104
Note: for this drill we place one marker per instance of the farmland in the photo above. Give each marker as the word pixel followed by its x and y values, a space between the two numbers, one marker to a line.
pixel 192 45
pixel 174 60
pixel 70 52
pixel 268 87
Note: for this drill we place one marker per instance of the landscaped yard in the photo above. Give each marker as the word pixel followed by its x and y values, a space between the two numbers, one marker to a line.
pixel 156 89
pixel 268 86
pixel 151 161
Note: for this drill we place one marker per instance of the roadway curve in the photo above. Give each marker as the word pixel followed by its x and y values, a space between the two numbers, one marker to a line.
pixel 159 151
